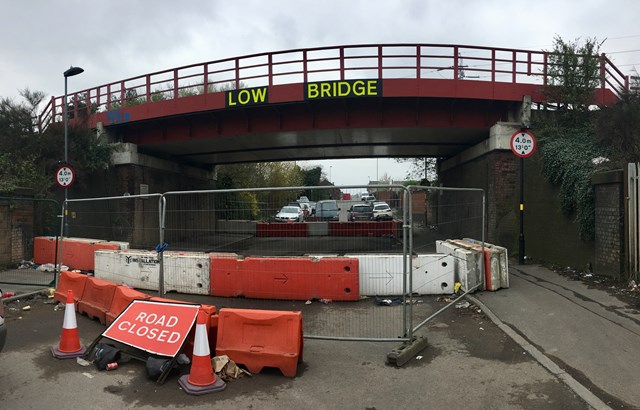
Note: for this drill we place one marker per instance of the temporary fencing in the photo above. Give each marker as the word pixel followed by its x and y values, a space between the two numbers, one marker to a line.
pixel 352 273
pixel 439 215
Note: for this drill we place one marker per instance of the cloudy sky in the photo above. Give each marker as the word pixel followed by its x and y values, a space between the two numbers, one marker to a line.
pixel 115 39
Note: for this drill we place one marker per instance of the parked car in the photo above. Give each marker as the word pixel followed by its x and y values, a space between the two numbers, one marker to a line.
pixel 312 207
pixel 327 210
pixel 3 325
pixel 361 212
pixel 368 198
pixel 290 214
pixel 382 211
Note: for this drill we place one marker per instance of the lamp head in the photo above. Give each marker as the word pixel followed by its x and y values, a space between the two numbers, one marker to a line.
pixel 73 71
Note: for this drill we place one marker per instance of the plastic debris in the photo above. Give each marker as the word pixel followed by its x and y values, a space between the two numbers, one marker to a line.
pixel 418 357
pixel 25 308
pixel 456 287
pixel 8 294
pixel 325 301
pixel 83 362
pixel 463 305
pixel 308 302
pixel 443 299
pixel 89 375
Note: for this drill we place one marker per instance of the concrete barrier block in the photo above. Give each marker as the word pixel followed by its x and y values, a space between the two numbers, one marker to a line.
pixel 184 272
pixel 467 263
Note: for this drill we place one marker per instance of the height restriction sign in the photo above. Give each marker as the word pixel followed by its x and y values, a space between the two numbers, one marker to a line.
pixel 64 176
pixel 523 143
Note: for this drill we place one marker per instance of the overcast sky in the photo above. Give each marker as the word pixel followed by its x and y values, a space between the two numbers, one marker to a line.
pixel 115 39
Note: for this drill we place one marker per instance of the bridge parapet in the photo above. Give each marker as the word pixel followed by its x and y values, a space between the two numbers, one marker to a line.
pixel 462 65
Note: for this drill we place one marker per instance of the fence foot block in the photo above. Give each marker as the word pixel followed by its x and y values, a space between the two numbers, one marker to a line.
pixel 406 351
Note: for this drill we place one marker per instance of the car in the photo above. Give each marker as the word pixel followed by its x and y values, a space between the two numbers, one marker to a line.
pixel 382 212
pixel 327 210
pixel 361 212
pixel 290 214
pixel 3 325
pixel 368 198
pixel 303 199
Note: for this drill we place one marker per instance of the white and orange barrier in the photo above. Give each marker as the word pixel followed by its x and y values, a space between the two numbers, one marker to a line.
pixel 184 272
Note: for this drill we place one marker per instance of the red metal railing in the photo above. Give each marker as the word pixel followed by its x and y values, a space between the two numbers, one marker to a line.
pixel 417 61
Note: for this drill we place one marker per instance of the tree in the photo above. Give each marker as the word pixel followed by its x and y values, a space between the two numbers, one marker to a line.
pixel 28 158
pixel 618 126
pixel 422 169
pixel 566 130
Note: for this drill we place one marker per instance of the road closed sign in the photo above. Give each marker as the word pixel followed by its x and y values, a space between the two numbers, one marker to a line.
pixel 155 327
pixel 523 143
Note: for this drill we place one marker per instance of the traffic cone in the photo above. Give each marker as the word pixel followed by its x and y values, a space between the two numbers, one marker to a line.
pixel 70 346
pixel 202 379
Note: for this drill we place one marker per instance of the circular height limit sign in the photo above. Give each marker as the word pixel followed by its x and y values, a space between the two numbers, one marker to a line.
pixel 523 143
pixel 64 176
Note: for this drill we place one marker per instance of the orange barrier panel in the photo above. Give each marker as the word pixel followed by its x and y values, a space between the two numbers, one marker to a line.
pixel 97 298
pixel 79 254
pixel 285 230
pixel 44 251
pixel 364 228
pixel 70 281
pixel 261 338
pixel 286 278
pixel 122 297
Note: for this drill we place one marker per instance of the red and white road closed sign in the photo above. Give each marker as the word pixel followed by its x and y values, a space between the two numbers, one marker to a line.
pixel 155 327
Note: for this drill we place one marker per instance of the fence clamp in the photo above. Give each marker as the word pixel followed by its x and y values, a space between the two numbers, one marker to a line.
pixel 161 248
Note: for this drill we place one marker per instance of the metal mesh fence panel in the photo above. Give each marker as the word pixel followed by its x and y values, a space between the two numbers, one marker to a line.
pixel 133 219
pixel 304 245
pixel 440 217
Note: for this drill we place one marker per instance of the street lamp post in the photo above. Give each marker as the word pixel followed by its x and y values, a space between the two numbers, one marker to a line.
pixel 69 73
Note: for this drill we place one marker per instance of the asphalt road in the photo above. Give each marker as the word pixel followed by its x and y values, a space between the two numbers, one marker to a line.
pixel 469 363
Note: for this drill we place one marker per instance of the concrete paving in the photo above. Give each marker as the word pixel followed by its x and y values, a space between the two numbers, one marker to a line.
pixel 591 336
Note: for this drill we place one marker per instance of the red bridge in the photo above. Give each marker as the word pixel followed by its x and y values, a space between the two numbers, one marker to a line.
pixel 396 100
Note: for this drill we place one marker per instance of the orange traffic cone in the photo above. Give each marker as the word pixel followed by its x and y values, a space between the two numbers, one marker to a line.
pixel 202 379
pixel 70 346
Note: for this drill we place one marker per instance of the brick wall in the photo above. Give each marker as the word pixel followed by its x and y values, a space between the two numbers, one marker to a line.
pixel 609 224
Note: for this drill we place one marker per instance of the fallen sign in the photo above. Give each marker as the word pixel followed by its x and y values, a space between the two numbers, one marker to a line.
pixel 159 328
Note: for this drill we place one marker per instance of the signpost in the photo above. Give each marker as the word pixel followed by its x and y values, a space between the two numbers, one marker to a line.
pixel 523 145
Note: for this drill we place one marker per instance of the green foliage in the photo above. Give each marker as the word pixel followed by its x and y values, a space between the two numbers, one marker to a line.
pixel 618 127
pixel 572 74
pixel 566 130
pixel 28 159
pixel 568 163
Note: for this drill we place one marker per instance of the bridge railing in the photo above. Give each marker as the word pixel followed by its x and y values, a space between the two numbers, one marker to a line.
pixel 410 61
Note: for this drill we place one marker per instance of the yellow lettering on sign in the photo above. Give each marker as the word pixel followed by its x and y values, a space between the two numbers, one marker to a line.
pixel 259 94
pixel 244 97
pixel 358 88
pixel 325 90
pixel 230 101
pixel 344 88
pixel 371 87
pixel 312 90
